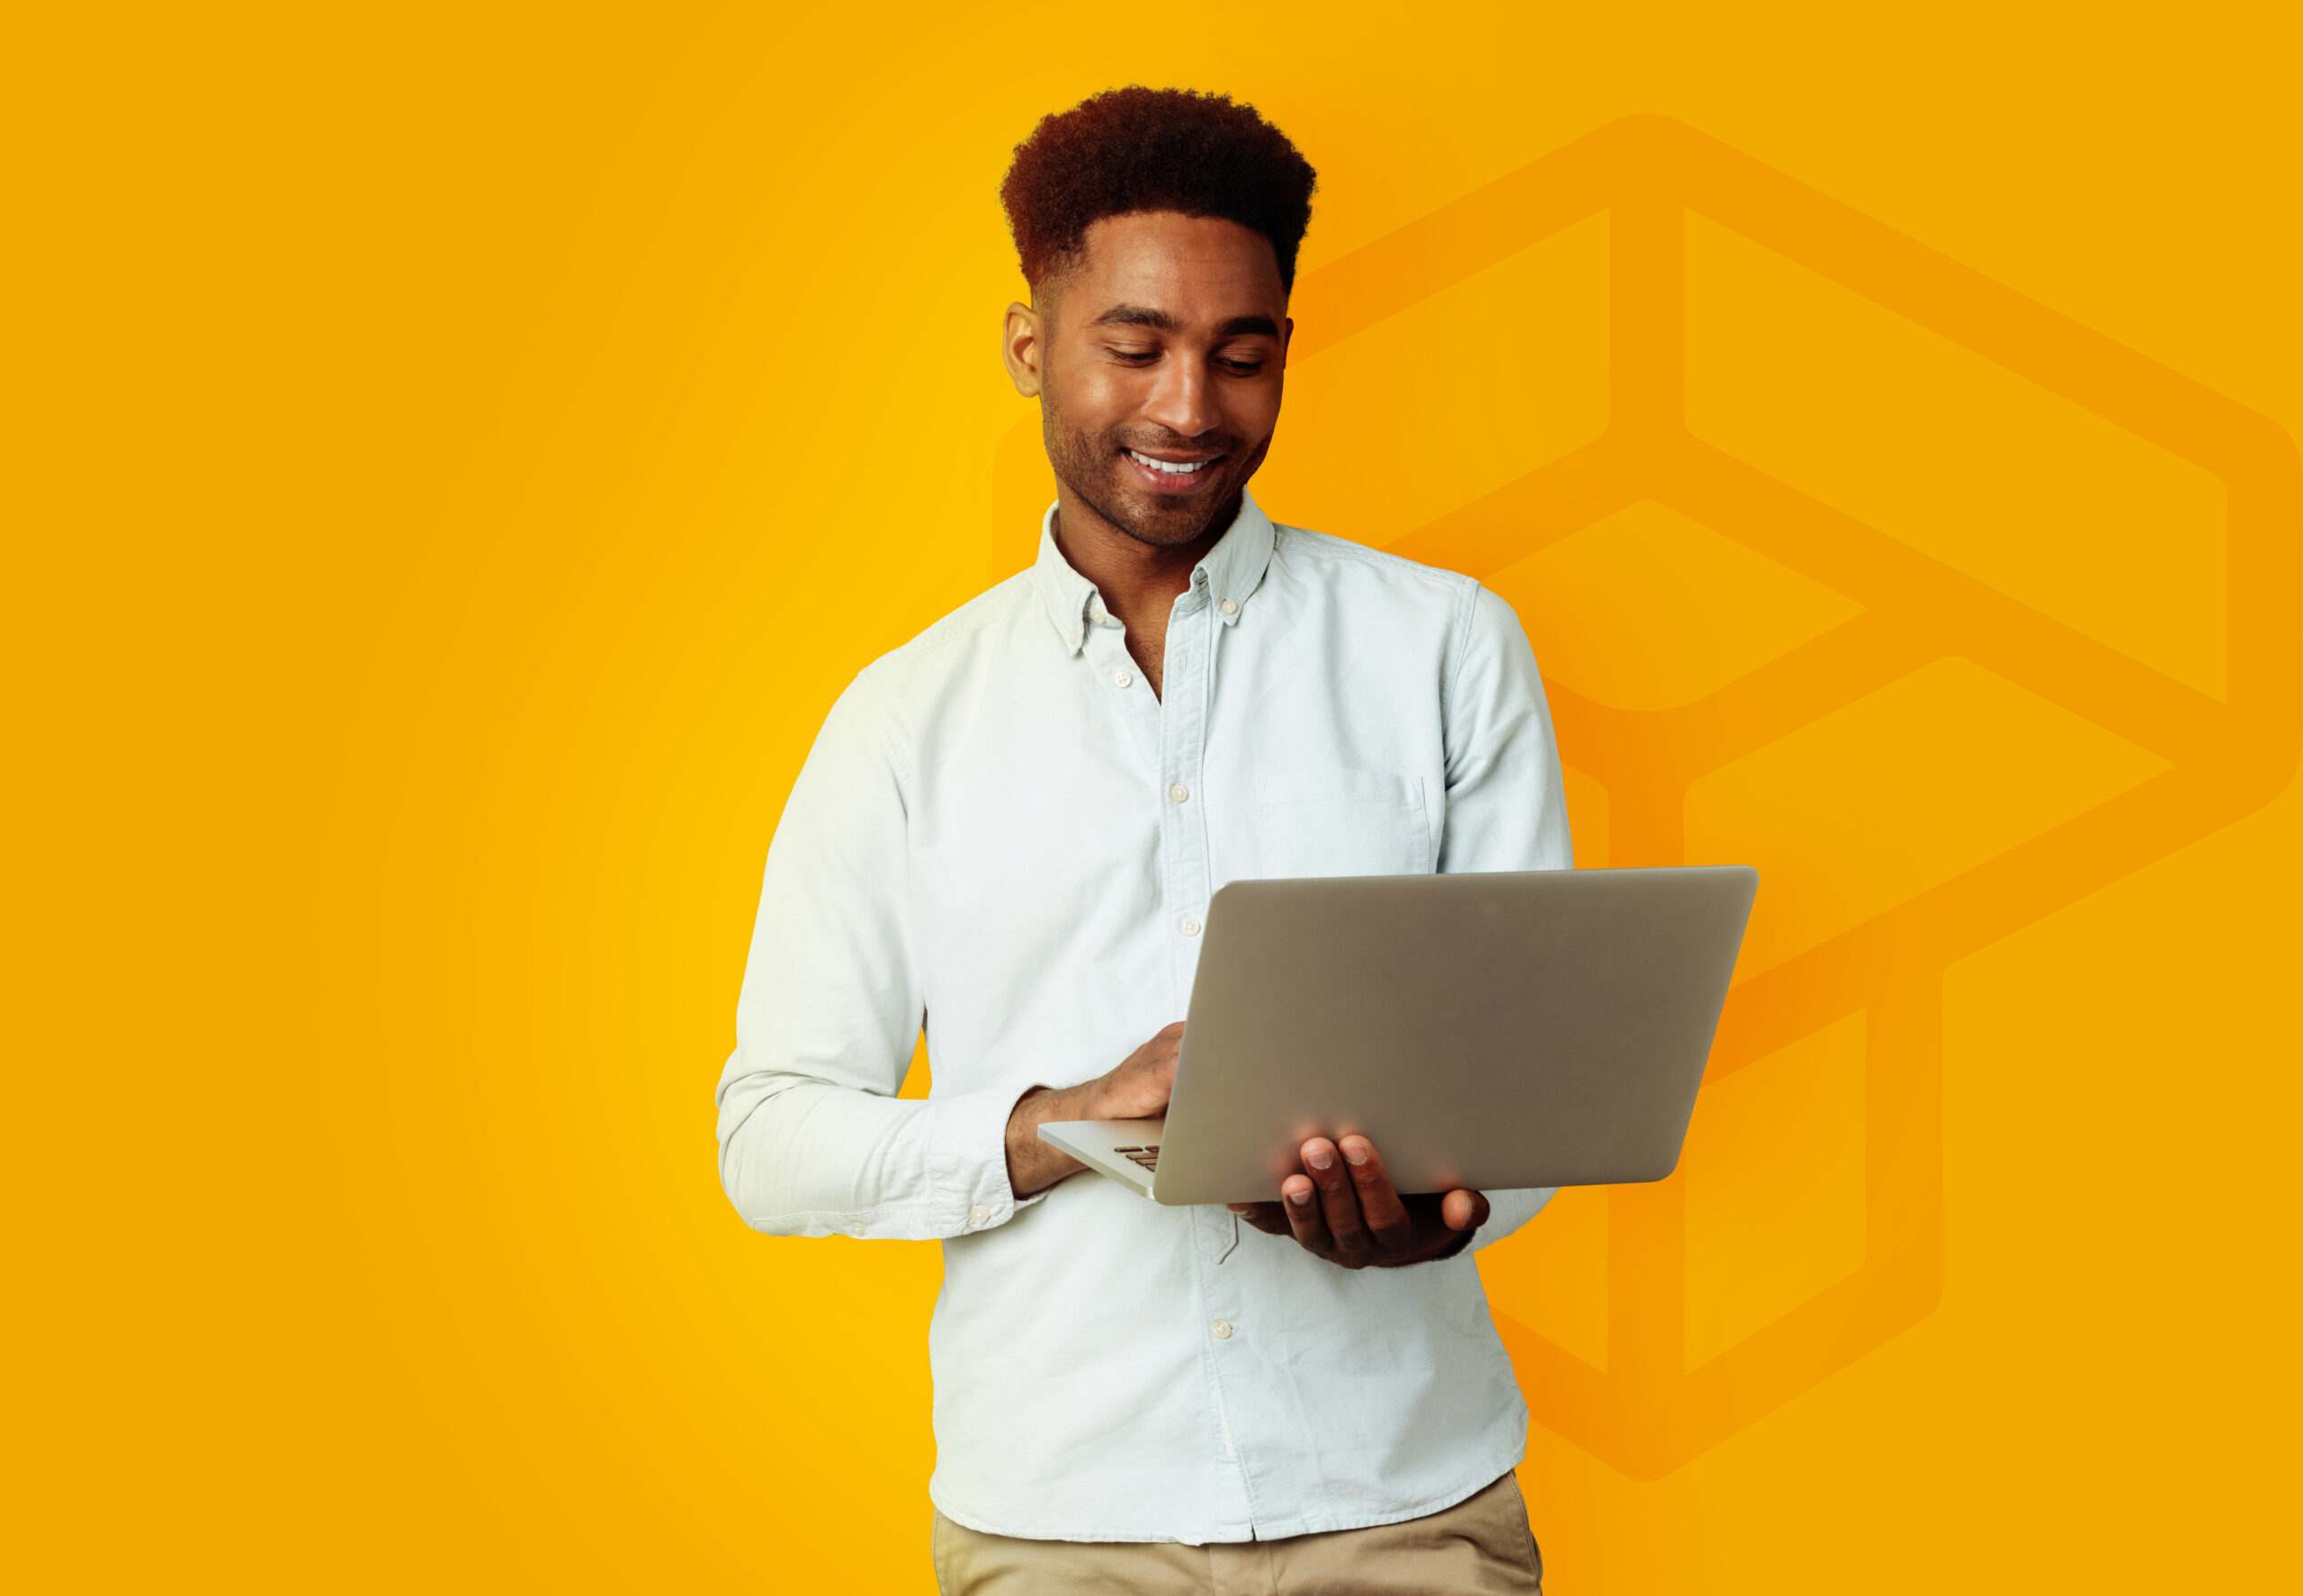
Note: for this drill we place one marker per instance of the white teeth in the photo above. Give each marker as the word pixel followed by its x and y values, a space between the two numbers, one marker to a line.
pixel 1173 468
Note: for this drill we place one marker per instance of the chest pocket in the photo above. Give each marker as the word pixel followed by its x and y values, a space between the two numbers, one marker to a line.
pixel 1341 822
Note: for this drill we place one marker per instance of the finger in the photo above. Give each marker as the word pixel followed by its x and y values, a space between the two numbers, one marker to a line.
pixel 1300 1199
pixel 1266 1217
pixel 1143 1083
pixel 1170 1043
pixel 1463 1210
pixel 1336 1204
pixel 1379 1205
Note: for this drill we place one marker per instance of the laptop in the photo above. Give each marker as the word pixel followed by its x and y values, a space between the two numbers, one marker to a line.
pixel 1543 1027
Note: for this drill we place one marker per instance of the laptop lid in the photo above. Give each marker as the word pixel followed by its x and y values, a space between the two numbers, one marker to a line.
pixel 1490 1031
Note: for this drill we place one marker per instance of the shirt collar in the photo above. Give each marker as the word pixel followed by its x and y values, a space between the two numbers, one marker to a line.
pixel 1227 578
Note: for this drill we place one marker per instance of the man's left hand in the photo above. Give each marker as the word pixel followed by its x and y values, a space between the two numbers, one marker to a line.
pixel 1343 1209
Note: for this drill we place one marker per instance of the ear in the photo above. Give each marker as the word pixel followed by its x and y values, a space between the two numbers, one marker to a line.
pixel 1022 348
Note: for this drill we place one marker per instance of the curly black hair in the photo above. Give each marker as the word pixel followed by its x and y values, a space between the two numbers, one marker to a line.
pixel 1154 149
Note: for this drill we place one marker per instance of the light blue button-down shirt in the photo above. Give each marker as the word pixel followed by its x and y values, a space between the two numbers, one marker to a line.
pixel 1002 830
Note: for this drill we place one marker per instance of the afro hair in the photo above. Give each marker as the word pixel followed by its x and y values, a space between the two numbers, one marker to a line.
pixel 1154 149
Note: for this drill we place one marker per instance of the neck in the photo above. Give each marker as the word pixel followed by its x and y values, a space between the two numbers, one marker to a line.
pixel 1138 580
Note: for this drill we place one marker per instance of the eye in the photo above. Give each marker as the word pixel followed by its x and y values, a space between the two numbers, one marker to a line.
pixel 1241 368
pixel 1132 356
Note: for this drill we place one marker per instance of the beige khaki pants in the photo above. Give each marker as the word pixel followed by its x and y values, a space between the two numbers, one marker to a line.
pixel 1481 1547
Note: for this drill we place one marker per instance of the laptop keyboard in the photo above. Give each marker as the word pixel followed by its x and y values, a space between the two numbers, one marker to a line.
pixel 1146 1157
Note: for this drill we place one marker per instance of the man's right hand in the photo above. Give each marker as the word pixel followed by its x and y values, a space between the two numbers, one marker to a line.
pixel 1136 1090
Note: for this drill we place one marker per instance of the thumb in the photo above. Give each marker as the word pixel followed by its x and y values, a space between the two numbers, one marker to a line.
pixel 1464 1210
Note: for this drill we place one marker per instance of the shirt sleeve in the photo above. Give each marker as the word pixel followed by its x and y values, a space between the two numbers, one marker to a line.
pixel 813 1140
pixel 1506 809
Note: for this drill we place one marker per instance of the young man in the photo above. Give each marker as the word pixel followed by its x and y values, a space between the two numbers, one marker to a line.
pixel 1011 827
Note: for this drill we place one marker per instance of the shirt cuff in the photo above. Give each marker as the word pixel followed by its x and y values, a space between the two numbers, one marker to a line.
pixel 968 1162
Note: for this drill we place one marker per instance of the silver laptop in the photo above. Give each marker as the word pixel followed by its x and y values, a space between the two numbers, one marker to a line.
pixel 1539 1028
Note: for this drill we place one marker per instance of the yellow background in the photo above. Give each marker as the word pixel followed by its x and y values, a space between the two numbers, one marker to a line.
pixel 453 457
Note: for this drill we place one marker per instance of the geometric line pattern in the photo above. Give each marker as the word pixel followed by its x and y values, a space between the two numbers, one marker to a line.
pixel 1646 1413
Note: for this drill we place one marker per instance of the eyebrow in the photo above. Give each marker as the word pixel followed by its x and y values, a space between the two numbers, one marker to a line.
pixel 1238 327
pixel 1247 326
pixel 1135 316
pixel 1241 327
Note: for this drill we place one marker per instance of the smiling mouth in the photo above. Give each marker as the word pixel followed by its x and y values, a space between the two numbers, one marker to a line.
pixel 1174 468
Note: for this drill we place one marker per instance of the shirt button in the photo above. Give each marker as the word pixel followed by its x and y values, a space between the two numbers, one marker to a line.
pixel 979 1215
pixel 1120 679
pixel 1180 792
pixel 1229 606
pixel 1221 1330
pixel 1190 927
pixel 1072 638
pixel 1095 611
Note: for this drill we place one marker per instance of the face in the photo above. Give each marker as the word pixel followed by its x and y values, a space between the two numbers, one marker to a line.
pixel 1157 358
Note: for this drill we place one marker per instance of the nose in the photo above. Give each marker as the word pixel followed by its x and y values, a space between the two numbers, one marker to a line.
pixel 1183 400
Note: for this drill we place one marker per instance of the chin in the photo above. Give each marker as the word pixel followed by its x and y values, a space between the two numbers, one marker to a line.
pixel 1169 522
pixel 1167 531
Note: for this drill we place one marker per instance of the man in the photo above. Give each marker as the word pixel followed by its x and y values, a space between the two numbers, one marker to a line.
pixel 1010 827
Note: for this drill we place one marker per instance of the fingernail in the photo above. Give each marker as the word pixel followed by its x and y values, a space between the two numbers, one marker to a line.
pixel 1240 1208
pixel 1358 1155
pixel 1320 1161
pixel 1299 1197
